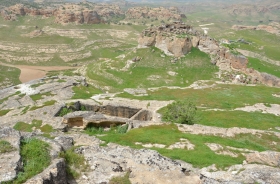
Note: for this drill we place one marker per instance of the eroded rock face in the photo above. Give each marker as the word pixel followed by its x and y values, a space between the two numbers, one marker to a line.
pixel 10 162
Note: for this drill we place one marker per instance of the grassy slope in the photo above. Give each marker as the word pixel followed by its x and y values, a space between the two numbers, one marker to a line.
pixel 152 70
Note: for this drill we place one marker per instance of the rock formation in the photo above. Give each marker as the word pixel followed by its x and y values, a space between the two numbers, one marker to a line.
pixel 174 39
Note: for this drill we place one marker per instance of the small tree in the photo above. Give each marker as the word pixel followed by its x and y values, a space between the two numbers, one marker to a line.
pixel 183 112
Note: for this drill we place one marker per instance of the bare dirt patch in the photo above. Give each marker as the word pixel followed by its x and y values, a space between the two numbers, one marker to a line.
pixel 29 73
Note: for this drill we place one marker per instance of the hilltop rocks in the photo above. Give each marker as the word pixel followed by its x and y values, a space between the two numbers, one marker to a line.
pixel 153 13
pixel 174 39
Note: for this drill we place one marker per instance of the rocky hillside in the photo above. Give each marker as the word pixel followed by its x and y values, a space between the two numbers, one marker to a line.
pixel 88 13
pixel 177 39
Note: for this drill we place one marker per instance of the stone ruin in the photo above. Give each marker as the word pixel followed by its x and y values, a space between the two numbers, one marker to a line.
pixel 85 115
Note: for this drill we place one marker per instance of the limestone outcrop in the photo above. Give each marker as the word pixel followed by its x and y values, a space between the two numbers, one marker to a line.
pixel 174 39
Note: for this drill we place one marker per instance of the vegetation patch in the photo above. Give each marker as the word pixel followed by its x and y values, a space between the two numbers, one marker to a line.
pixel 229 119
pixel 35 156
pixel 83 92
pixel 5 147
pixel 262 66
pixel 121 180
pixel 36 124
pixel 169 134
pixel 194 66
pixel 47 103
pixel 40 96
pixel 4 112
pixel 183 112
pixel 76 163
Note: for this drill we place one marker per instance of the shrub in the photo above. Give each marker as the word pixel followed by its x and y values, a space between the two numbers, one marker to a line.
pixel 183 112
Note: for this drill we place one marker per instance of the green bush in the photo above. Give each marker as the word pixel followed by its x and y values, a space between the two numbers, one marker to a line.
pixel 183 112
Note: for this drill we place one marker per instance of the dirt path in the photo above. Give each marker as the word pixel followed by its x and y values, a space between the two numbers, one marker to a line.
pixel 28 73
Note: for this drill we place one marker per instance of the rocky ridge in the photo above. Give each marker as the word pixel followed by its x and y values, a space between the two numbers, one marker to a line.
pixel 81 13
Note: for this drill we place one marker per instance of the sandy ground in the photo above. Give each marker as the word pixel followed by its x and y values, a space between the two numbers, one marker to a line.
pixel 29 73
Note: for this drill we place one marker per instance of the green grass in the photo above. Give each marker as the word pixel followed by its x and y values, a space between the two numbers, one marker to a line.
pixel 152 70
pixel 5 147
pixel 221 96
pixel 22 126
pixel 37 124
pixel 258 39
pixel 47 103
pixel 262 66
pixel 75 163
pixel 169 134
pixel 35 157
pixel 4 112
pixel 40 96
pixel 83 92
pixel 229 119
pixel 24 111
pixel 9 76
